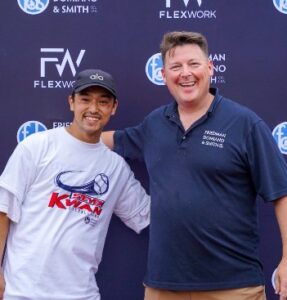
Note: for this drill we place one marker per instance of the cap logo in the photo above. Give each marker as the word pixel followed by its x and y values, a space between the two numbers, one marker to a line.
pixel 96 77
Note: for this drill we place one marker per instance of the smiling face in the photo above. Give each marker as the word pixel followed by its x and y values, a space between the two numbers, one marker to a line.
pixel 186 72
pixel 92 109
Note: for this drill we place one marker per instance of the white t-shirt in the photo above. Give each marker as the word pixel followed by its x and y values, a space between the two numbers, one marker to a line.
pixel 60 194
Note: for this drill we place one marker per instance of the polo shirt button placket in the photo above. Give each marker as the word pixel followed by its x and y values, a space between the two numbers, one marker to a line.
pixel 182 147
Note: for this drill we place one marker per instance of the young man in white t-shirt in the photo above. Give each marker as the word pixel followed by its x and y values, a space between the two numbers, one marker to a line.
pixel 56 216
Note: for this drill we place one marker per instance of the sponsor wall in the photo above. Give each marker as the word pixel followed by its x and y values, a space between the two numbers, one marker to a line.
pixel 45 42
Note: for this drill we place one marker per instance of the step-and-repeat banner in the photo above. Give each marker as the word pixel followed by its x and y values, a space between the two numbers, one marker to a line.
pixel 43 43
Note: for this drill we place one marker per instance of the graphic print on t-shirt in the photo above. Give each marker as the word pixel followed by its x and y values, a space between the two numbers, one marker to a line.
pixel 81 198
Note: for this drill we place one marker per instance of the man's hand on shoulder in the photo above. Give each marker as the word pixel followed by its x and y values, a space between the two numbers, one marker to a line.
pixel 281 280
pixel 2 285
pixel 108 139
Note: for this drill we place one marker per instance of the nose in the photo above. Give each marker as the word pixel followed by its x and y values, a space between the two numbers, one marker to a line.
pixel 185 71
pixel 94 106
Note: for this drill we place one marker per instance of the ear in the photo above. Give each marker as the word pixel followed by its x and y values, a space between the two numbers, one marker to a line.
pixel 163 75
pixel 71 102
pixel 210 67
pixel 114 109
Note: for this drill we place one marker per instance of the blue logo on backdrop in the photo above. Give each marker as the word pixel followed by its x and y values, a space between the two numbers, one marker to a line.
pixel 281 5
pixel 280 135
pixel 29 128
pixel 33 7
pixel 153 69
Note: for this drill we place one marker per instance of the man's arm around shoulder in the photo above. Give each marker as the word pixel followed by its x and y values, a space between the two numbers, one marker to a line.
pixel 4 226
pixel 108 138
pixel 281 274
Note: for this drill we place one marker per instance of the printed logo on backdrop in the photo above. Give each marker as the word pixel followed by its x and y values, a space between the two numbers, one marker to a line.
pixel 281 5
pixel 153 69
pixel 55 62
pixel 186 9
pixel 154 65
pixel 280 135
pixel 219 67
pixel 56 124
pixel 80 7
pixel 34 7
pixel 29 128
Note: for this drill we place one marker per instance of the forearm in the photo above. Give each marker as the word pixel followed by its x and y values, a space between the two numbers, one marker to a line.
pixel 4 226
pixel 281 214
pixel 281 273
pixel 108 138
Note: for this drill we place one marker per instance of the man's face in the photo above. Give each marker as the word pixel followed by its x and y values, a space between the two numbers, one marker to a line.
pixel 92 109
pixel 187 73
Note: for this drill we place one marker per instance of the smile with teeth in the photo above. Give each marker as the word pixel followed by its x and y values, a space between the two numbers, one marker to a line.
pixel 93 118
pixel 187 84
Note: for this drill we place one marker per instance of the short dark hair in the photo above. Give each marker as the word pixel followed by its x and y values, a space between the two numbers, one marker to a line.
pixel 83 92
pixel 179 38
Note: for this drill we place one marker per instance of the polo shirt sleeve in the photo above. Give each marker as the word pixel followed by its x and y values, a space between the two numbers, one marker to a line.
pixel 129 142
pixel 267 164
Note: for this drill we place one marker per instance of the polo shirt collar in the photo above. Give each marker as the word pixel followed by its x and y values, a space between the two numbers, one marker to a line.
pixel 171 109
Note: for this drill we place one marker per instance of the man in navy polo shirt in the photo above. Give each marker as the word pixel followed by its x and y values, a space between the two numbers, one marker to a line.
pixel 208 159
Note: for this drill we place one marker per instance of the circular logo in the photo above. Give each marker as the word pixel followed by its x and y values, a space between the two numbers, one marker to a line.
pixel 280 135
pixel 281 5
pixel 153 69
pixel 29 128
pixel 33 7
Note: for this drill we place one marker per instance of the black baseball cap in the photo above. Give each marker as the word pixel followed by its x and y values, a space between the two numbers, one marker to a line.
pixel 94 77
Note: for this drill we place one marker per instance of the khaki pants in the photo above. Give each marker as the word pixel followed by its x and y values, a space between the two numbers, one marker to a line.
pixel 249 293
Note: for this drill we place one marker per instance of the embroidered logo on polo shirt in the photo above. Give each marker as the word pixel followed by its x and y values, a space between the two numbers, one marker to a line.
pixel 213 138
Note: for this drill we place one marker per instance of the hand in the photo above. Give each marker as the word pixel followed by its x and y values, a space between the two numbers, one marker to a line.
pixel 281 280
pixel 2 285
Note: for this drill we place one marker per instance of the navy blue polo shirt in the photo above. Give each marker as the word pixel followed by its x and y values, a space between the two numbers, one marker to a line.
pixel 203 184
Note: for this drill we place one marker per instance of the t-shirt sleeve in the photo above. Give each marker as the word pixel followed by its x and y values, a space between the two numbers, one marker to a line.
pixel 15 180
pixel 10 205
pixel 267 164
pixel 133 205
pixel 129 142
